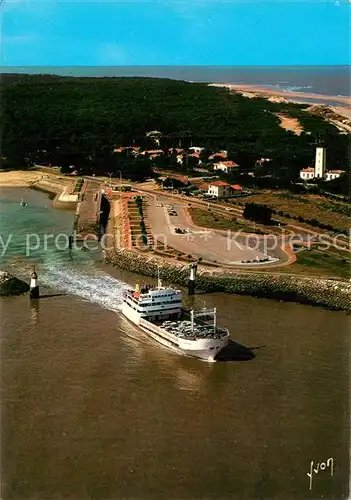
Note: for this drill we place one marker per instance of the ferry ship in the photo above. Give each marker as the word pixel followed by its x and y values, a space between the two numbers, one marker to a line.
pixel 158 312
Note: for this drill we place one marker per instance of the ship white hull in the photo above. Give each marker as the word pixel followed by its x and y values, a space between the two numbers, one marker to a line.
pixel 205 349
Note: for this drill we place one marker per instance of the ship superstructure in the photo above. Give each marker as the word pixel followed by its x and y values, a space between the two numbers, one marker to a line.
pixel 158 312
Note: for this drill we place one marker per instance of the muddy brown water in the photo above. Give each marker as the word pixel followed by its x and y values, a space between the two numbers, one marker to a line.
pixel 93 409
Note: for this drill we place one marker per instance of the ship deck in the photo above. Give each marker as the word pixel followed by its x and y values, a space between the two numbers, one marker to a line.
pixel 182 328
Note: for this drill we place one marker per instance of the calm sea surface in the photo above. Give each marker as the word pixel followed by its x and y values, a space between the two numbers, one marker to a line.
pixel 329 80
pixel 92 409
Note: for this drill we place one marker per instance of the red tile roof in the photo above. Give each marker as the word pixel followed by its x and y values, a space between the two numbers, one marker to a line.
pixel 221 155
pixel 219 183
pixel 183 179
pixel 178 150
pixel 236 186
pixel 308 169
pixel 204 185
pixel 229 163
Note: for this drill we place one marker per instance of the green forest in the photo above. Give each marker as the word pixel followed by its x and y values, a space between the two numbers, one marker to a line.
pixel 70 120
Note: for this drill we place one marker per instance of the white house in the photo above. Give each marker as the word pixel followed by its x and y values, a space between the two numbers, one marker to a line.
pixel 333 174
pixel 196 149
pixel 219 189
pixel 183 158
pixel 307 173
pixel 225 166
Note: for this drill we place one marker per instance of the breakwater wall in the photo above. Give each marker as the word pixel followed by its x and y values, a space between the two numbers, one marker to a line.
pixel 328 293
pixel 10 285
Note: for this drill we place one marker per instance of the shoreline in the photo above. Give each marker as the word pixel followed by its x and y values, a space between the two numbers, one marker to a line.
pixel 315 291
pixel 34 179
pixel 289 95
pixel 52 194
pixel 49 184
pixel 19 178
pixel 326 292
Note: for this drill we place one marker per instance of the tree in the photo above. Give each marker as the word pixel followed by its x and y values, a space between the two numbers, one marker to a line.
pixel 258 213
pixel 48 117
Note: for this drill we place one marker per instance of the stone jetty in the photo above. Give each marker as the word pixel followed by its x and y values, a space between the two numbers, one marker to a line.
pixel 10 285
pixel 329 293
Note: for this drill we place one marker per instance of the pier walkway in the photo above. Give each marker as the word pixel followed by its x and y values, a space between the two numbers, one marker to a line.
pixel 88 210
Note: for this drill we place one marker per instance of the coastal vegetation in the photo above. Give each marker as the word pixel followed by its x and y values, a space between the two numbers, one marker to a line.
pixel 213 220
pixel 79 185
pixel 69 121
pixel 309 209
pixel 315 262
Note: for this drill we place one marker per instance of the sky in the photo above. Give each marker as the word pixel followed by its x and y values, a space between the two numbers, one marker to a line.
pixel 174 32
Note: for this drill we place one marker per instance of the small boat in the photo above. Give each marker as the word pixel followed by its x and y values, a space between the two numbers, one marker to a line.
pixel 23 203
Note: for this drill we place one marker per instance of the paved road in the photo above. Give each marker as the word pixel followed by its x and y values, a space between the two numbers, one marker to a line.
pixel 208 244
pixel 303 235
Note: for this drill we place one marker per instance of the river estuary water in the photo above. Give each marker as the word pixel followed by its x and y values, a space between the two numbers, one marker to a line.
pixel 92 409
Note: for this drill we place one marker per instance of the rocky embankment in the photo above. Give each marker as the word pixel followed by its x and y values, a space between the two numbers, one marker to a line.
pixel 327 293
pixel 10 285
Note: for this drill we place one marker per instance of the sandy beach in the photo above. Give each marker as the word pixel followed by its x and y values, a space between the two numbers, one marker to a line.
pixel 49 182
pixel 289 95
pixel 19 178
pixel 343 110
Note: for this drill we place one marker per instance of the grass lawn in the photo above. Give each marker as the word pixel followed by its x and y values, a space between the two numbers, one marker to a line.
pixel 308 206
pixel 315 262
pixel 205 218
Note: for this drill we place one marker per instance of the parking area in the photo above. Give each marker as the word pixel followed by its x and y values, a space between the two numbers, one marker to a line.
pixel 171 225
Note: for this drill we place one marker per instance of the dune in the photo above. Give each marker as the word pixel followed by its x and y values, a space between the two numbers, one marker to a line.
pixel 253 90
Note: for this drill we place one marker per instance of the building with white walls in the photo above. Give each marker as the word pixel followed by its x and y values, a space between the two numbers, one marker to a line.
pixel 307 173
pixel 225 166
pixel 320 171
pixel 333 174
